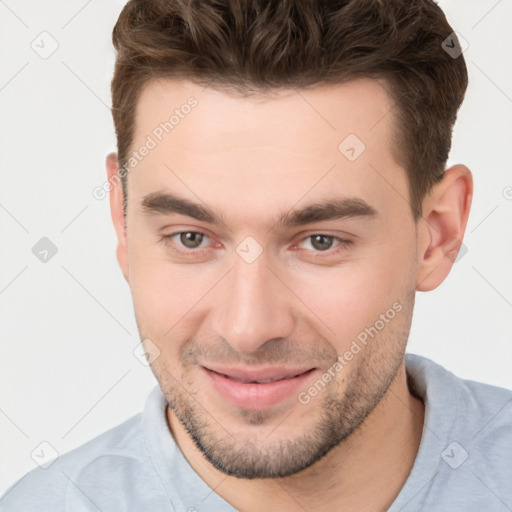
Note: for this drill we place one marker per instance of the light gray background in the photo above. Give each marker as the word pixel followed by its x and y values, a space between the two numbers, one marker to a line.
pixel 67 329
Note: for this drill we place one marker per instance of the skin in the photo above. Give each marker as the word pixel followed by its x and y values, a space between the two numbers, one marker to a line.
pixel 250 160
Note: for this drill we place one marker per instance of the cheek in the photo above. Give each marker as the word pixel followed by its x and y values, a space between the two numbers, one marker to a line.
pixel 160 299
pixel 352 297
pixel 167 297
pixel 162 311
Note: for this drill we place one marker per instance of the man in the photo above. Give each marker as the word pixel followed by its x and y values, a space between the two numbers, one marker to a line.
pixel 279 195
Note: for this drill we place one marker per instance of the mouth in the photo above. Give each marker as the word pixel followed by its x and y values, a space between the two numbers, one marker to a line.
pixel 261 376
pixel 256 389
pixel 262 381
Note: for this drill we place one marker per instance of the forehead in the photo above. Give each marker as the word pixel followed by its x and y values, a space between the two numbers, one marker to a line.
pixel 273 146
pixel 287 117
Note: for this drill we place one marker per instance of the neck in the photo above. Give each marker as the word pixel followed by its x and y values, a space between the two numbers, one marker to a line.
pixel 365 472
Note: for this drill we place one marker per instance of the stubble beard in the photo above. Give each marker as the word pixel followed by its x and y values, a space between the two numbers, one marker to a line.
pixel 369 377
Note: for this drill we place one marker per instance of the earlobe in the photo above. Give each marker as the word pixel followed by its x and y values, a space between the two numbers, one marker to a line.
pixel 441 230
pixel 117 211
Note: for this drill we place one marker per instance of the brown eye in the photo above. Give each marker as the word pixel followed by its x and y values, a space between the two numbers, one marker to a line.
pixel 321 245
pixel 321 242
pixel 188 244
pixel 191 239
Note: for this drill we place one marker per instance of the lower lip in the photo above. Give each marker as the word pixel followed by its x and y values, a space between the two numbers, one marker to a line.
pixel 255 396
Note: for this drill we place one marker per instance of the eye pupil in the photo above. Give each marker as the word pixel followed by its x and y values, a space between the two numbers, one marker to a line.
pixel 190 239
pixel 321 242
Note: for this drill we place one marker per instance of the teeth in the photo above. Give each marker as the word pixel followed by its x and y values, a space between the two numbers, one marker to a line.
pixel 262 381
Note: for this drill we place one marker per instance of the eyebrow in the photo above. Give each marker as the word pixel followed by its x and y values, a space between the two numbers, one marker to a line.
pixel 347 207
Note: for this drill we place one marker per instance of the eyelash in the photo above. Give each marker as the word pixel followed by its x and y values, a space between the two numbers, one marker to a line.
pixel 343 243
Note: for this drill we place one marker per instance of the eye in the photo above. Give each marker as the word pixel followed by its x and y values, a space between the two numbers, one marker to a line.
pixel 188 239
pixel 322 243
pixel 191 243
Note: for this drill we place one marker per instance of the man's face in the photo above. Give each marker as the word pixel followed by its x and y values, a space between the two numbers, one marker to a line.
pixel 256 291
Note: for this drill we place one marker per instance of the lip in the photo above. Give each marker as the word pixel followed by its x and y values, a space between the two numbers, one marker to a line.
pixel 274 372
pixel 232 385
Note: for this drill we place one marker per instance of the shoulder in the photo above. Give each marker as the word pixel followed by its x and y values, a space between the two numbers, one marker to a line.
pixel 465 402
pixel 467 439
pixel 464 459
pixel 48 487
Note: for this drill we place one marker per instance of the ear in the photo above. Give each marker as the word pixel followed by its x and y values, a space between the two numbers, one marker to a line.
pixel 442 227
pixel 116 210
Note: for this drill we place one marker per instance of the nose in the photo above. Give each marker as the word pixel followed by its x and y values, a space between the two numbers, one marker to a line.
pixel 253 306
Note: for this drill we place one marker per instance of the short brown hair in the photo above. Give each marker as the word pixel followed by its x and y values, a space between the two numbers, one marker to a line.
pixel 254 46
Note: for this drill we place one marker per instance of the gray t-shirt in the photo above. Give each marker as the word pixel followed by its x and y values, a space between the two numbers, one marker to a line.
pixel 464 462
